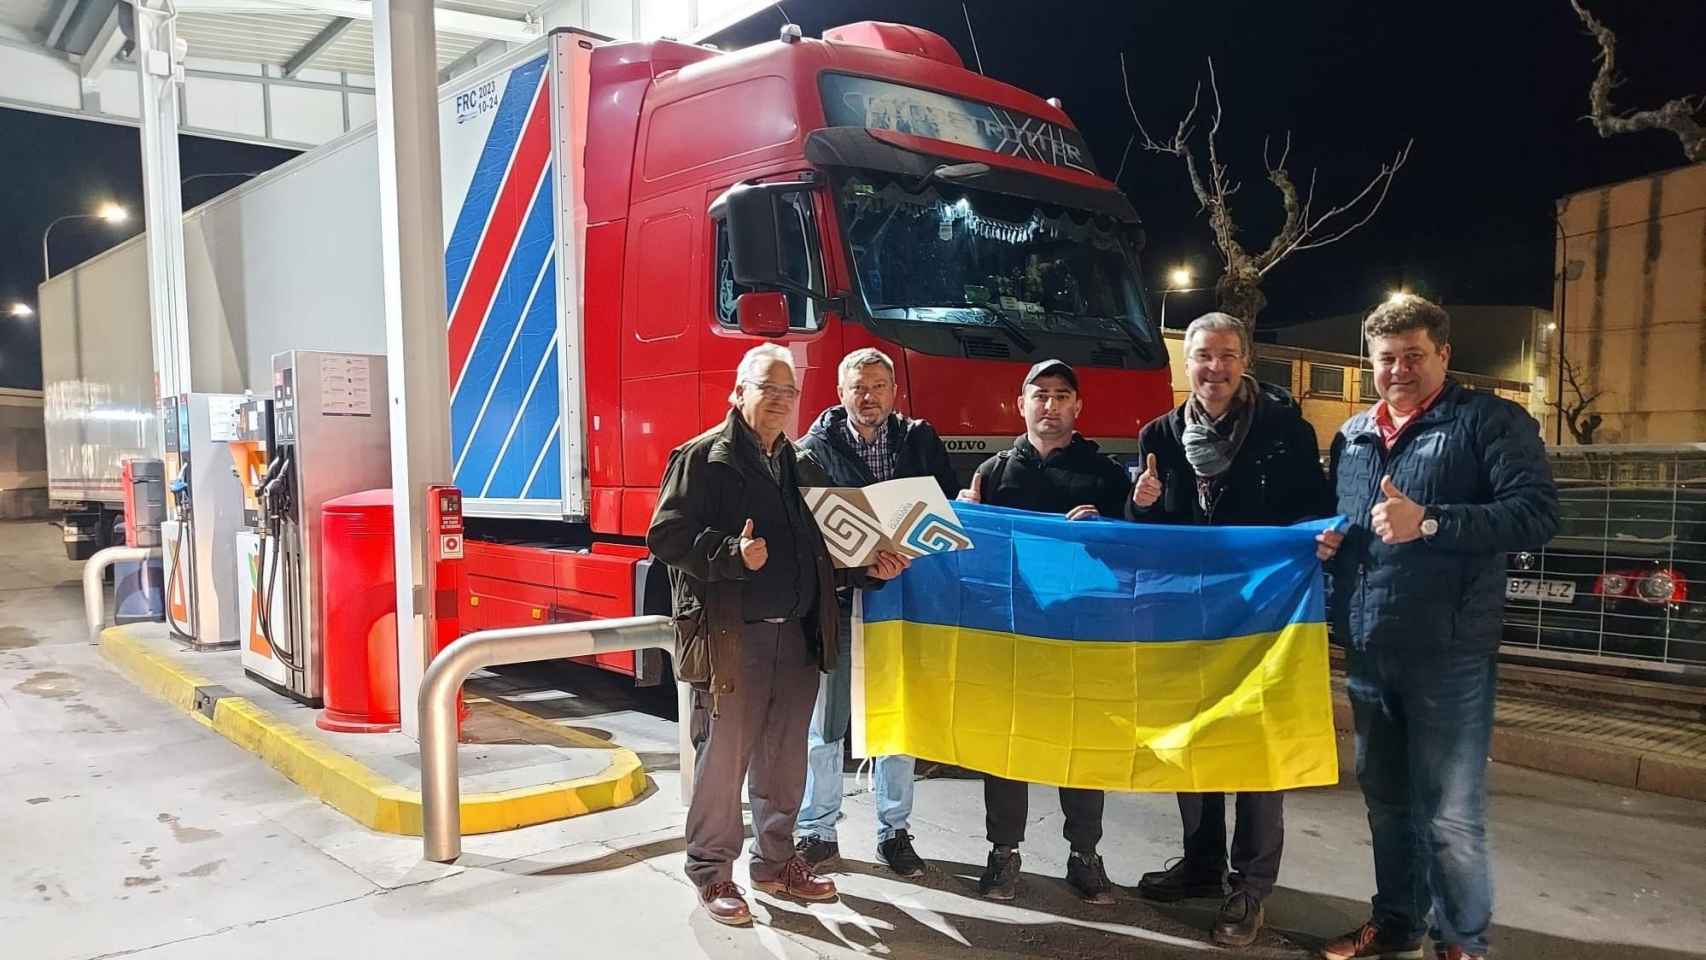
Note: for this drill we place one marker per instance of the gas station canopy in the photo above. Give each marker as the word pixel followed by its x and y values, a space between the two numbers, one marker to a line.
pixel 289 73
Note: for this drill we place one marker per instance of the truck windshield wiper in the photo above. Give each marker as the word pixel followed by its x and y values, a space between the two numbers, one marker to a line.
pixel 1144 350
pixel 1013 330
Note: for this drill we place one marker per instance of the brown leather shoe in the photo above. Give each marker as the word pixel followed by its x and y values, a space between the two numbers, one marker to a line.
pixel 1370 942
pixel 725 901
pixel 799 881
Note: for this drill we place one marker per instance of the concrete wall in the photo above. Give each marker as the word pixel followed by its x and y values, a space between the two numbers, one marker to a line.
pixel 23 455
pixel 1631 303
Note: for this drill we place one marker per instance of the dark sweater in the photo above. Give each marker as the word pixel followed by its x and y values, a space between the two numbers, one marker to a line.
pixel 1076 474
pixel 1275 479
pixel 786 586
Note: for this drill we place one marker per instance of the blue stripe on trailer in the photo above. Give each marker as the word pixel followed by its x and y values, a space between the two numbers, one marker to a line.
pixel 532 252
pixel 489 175
pixel 531 433
pixel 509 389
pixel 548 482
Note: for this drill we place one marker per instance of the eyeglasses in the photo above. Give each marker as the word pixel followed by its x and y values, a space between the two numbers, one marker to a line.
pixel 775 391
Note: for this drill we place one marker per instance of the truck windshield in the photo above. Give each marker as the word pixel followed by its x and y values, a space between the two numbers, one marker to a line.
pixel 960 255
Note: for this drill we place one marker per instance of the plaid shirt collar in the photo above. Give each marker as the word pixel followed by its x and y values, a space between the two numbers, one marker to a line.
pixel 877 454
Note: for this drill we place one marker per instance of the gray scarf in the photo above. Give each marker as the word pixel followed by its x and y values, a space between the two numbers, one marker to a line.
pixel 1212 443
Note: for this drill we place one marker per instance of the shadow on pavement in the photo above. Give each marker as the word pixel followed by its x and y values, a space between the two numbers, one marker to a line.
pixel 942 916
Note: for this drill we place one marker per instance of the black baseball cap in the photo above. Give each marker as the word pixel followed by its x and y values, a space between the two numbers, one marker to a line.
pixel 1051 368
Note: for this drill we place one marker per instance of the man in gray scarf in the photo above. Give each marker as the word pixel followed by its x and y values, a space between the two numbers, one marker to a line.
pixel 1218 414
pixel 1235 452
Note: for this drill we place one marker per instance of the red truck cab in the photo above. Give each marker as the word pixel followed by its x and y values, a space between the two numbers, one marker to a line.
pixel 882 193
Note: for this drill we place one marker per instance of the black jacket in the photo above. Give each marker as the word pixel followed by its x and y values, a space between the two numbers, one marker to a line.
pixel 708 492
pixel 1477 462
pixel 918 451
pixel 1276 478
pixel 1076 474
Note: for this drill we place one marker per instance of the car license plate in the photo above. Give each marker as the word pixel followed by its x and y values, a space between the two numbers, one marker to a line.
pixel 1530 588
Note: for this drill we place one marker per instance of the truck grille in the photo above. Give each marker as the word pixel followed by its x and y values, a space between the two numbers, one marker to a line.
pixel 1107 357
pixel 983 348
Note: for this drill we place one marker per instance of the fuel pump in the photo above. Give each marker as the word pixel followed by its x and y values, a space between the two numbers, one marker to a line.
pixel 330 437
pixel 205 511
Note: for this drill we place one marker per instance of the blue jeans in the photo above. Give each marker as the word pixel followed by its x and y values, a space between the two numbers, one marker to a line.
pixel 892 776
pixel 1424 724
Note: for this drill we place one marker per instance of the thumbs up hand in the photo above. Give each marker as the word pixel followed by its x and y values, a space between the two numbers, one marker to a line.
pixel 975 494
pixel 1397 519
pixel 1148 489
pixel 753 551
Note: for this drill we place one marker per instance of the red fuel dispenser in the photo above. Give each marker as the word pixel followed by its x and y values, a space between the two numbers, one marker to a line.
pixel 360 589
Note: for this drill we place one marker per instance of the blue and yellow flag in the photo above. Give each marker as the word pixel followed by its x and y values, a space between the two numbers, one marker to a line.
pixel 1106 655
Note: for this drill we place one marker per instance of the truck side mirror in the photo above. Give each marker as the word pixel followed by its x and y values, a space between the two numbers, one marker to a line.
pixel 754 212
pixel 763 314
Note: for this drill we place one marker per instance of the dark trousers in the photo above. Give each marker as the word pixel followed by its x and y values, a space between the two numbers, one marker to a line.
pixel 1006 804
pixel 1257 838
pixel 1424 724
pixel 757 735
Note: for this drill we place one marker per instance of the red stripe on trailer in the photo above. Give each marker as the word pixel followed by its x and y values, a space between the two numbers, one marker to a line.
pixel 532 154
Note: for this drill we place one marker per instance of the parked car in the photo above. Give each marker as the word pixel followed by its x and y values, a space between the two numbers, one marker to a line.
pixel 1624 581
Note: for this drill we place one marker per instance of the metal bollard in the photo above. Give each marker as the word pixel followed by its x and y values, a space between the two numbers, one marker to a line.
pixel 95 590
pixel 441 794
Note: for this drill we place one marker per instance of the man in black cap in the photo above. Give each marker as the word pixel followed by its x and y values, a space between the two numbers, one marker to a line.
pixel 1051 469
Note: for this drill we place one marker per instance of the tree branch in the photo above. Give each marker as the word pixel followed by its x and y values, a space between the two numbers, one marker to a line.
pixel 1214 187
pixel 1676 116
pixel 1581 426
pixel 1308 239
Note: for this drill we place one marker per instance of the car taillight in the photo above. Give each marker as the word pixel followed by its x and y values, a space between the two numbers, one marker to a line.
pixel 1656 587
pixel 1662 586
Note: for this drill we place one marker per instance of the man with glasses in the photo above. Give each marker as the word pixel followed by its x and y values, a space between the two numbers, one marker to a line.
pixel 753 589
pixel 1439 483
pixel 861 441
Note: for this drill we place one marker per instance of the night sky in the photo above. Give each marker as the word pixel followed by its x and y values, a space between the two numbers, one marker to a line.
pixel 1492 92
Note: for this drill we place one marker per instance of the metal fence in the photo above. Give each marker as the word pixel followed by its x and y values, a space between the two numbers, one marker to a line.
pixel 1624 581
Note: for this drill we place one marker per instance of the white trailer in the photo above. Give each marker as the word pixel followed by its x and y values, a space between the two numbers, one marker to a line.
pixel 289 260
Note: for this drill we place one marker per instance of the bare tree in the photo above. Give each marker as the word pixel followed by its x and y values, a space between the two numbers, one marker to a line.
pixel 1583 424
pixel 1677 116
pixel 1239 289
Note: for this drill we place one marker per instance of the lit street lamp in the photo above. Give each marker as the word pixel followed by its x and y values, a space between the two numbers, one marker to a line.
pixel 1178 281
pixel 110 212
pixel 22 311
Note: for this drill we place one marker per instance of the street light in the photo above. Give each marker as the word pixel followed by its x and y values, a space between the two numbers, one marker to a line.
pixel 1397 295
pixel 1178 281
pixel 22 311
pixel 112 213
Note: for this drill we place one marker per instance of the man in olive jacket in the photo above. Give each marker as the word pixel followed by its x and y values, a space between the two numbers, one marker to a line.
pixel 752 630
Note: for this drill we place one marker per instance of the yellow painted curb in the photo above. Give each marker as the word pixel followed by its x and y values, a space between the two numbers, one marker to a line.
pixel 345 784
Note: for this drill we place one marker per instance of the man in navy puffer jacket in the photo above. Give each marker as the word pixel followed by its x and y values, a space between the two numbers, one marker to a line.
pixel 1439 483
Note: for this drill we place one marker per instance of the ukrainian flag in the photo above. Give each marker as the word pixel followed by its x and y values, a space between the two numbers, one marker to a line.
pixel 1104 654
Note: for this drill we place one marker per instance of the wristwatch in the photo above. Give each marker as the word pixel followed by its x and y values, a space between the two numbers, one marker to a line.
pixel 1430 524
